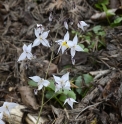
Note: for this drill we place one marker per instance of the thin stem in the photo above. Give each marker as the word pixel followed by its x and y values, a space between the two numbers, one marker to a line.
pixel 43 90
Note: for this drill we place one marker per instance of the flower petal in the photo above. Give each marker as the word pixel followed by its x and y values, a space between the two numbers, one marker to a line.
pixel 70 103
pixel 57 79
pixel 45 34
pixel 67 86
pixel 73 100
pixel 29 48
pixel 72 51
pixel 35 78
pixel 1 115
pixel 70 44
pixel 78 48
pixel 66 36
pixel 66 101
pixel 63 48
pixel 29 56
pixel 58 87
pixel 75 40
pixel 36 42
pixel 46 83
pixel 45 42
pixel 37 31
pixel 24 47
pixel 66 25
pixel 40 86
pixel 65 77
pixel 22 56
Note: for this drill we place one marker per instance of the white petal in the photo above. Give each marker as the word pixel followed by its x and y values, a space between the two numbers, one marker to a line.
pixel 66 36
pixel 59 49
pixel 65 77
pixel 24 47
pixel 66 25
pixel 72 51
pixel 73 100
pixel 36 42
pixel 70 103
pixel 66 101
pixel 46 83
pixel 83 23
pixel 39 25
pixel 57 79
pixel 37 32
pixel 2 109
pixel 59 41
pixel 70 44
pixel 40 86
pixel 67 86
pixel 29 56
pixel 58 87
pixel 45 34
pixel 63 48
pixel 45 42
pixel 22 56
pixel 35 78
pixel 29 48
pixel 78 48
pixel 73 61
pixel 75 40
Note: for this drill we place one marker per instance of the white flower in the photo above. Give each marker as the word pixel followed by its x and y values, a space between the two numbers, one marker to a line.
pixel 7 106
pixel 1 116
pixel 62 83
pixel 66 25
pixel 41 38
pixel 26 52
pixel 70 101
pixel 50 17
pixel 41 82
pixel 82 24
pixel 74 47
pixel 63 43
pixel 39 29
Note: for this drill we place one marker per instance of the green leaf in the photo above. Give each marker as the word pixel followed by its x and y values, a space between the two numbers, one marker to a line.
pixel 62 98
pixel 96 28
pixel 50 94
pixel 51 86
pixel 118 20
pixel 32 83
pixel 81 45
pixel 86 50
pixel 78 83
pixel 69 93
pixel 87 78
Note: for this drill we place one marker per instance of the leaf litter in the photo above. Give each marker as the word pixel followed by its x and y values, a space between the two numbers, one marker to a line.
pixel 100 104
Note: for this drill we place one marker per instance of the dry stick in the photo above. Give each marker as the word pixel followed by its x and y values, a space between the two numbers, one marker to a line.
pixel 87 108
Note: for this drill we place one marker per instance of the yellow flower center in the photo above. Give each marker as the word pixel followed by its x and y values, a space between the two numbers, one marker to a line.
pixel 64 43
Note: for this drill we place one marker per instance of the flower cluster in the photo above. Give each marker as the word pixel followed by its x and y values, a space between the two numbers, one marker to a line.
pixel 5 109
pixel 61 83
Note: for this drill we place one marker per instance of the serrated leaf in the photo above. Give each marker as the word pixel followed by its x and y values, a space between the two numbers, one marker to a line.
pixel 32 83
pixel 78 83
pixel 87 78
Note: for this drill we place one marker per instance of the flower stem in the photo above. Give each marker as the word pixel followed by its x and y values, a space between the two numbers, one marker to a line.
pixel 43 90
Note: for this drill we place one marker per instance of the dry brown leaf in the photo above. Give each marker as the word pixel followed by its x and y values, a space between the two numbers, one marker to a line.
pixel 27 96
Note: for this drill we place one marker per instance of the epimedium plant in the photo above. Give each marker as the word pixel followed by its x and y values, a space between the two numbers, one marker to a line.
pixel 58 88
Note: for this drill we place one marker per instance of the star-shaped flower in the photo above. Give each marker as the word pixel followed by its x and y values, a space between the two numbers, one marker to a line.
pixel 74 47
pixel 7 106
pixel 63 43
pixel 70 101
pixel 26 53
pixel 40 82
pixel 82 24
pixel 41 38
pixel 62 83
